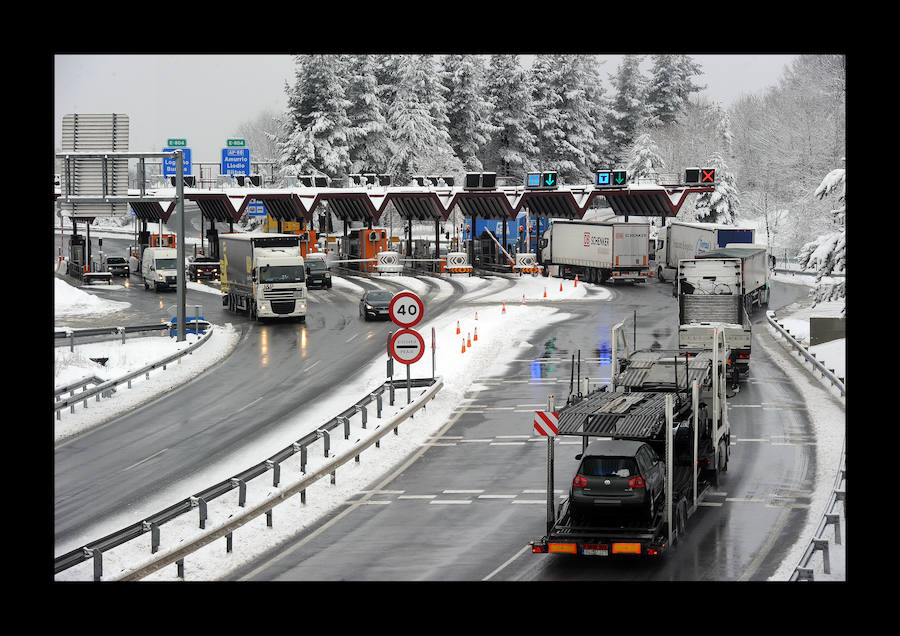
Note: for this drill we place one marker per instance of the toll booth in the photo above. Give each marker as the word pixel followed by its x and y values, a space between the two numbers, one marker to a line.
pixel 162 240
pixel 77 256
pixel 308 242
pixel 364 244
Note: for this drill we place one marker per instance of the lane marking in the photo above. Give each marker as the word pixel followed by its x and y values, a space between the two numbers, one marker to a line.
pixel 311 366
pixel 451 501
pixel 145 460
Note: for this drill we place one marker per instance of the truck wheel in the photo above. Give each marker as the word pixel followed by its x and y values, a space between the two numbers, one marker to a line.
pixel 659 275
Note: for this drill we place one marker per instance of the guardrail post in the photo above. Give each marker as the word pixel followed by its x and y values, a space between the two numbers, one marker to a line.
pixel 392 394
pixel 327 442
pixel 378 403
pixel 303 496
pixel 276 471
pixel 822 544
pixel 72 342
pixel 180 565
pixel 346 421
pixel 269 518
pixel 303 460
pixel 836 520
pixel 365 415
pixel 154 538
pixel 242 490
pixel 228 542
pixel 98 561
pixel 333 476
pixel 201 503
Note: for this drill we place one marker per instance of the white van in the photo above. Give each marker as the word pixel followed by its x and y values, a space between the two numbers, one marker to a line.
pixel 158 267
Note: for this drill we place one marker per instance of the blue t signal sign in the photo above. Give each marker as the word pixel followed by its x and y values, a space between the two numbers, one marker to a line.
pixel 604 177
pixel 534 179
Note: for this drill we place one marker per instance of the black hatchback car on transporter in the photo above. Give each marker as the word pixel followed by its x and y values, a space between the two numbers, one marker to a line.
pixel 375 304
pixel 619 480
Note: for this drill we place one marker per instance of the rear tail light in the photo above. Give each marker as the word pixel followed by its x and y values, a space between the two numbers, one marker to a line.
pixel 637 482
pixel 579 482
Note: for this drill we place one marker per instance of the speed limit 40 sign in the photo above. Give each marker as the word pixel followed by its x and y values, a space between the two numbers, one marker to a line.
pixel 406 309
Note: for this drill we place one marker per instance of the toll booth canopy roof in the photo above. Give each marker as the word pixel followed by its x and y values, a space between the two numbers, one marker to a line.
pixel 552 204
pixel 215 206
pixel 152 211
pixel 485 205
pixel 281 206
pixel 420 206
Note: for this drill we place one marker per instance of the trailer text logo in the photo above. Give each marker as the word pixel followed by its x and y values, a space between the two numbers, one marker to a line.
pixel 595 240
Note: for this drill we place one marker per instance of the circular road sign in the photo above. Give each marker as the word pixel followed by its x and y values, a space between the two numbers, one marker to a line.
pixel 407 346
pixel 406 309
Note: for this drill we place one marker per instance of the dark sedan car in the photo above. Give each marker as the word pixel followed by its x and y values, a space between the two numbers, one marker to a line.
pixel 117 266
pixel 619 480
pixel 374 304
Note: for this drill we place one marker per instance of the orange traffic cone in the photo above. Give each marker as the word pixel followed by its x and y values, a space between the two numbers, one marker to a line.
pixel 523 299
pixel 476 315
pixel 457 327
pixel 545 292
pixel 464 345
pixel 576 280
pixel 476 334
pixel 560 285
pixel 504 309
pixel 469 340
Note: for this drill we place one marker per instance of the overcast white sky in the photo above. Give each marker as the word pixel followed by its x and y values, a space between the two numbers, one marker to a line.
pixel 204 98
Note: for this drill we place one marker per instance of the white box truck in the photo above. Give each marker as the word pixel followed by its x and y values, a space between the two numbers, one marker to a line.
pixel 159 267
pixel 680 240
pixel 597 252
pixel 263 275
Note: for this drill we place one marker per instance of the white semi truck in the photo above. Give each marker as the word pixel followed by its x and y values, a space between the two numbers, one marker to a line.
pixel 717 292
pixel 598 252
pixel 263 275
pixel 680 240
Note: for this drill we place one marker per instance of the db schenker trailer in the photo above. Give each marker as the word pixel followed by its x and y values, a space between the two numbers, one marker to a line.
pixel 660 418
pixel 597 252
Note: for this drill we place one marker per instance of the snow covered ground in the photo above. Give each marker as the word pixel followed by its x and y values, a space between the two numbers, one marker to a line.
pixel 502 336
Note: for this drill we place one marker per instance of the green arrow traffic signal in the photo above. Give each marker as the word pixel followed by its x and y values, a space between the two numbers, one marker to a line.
pixel 619 177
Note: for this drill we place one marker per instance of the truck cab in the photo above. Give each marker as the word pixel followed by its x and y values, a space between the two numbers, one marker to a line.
pixel 158 267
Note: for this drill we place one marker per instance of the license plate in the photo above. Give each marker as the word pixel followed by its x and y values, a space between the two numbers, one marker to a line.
pixel 595 551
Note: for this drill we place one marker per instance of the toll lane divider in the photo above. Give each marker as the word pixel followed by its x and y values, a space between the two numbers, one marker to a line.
pixel 95 549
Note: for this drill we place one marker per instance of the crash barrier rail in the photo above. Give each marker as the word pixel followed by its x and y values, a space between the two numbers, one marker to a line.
pixel 72 334
pixel 95 549
pixel 803 571
pixel 107 388
pixel 829 374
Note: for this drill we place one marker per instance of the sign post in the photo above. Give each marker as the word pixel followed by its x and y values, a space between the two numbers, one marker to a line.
pixel 407 346
pixel 547 423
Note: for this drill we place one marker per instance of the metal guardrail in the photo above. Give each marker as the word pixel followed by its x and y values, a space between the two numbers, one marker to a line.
pixel 802 572
pixel 95 549
pixel 804 351
pixel 71 334
pixel 820 543
pixel 109 386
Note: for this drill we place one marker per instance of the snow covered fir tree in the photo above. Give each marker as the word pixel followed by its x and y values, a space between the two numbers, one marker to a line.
pixel 409 114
